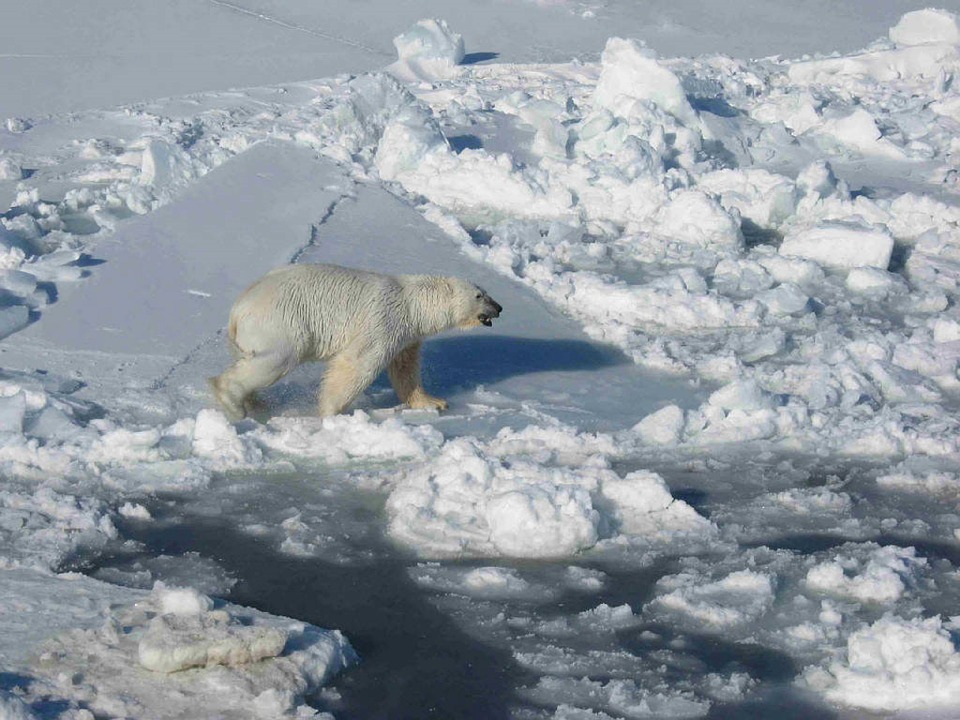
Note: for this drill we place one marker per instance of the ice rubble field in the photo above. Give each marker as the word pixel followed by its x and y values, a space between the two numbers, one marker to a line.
pixel 782 236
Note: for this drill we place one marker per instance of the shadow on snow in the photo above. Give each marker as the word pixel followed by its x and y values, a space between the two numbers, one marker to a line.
pixel 455 361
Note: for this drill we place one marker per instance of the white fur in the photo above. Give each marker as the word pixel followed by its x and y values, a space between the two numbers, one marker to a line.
pixel 361 322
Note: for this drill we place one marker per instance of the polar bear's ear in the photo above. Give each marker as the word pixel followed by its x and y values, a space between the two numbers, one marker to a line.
pixel 454 286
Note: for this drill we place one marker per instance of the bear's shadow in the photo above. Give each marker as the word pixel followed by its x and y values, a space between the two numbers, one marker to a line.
pixel 453 362
pixel 461 362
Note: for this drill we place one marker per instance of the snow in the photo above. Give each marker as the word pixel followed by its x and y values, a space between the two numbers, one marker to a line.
pixel 462 504
pixel 878 579
pixel 476 501
pixel 737 599
pixel 170 643
pixel 13 708
pixel 840 246
pixel 713 435
pixel 629 73
pixel 894 664
pixel 922 27
pixel 265 664
pixel 427 50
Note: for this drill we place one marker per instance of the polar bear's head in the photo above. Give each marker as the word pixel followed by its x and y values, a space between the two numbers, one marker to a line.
pixel 472 306
pixel 435 303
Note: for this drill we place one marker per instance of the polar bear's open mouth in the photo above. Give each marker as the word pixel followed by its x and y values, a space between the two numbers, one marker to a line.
pixel 491 309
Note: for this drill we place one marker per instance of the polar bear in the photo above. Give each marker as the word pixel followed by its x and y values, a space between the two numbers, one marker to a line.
pixel 361 322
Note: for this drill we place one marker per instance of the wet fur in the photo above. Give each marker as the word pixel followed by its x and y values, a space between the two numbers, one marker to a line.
pixel 359 322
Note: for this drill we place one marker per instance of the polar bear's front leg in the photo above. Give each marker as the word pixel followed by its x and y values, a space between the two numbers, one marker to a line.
pixel 404 372
pixel 348 374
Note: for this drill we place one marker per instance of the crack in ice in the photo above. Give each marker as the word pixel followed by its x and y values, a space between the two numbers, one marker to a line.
pixel 299 28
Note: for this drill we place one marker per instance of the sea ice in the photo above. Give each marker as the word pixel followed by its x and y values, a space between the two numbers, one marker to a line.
pixel 879 577
pixel 245 663
pixel 921 27
pixel 840 246
pixel 735 600
pixel 630 72
pixel 429 49
pixel 645 197
pixel 894 665
pixel 471 501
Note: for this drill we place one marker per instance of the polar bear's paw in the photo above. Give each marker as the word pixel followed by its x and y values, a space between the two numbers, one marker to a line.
pixel 233 408
pixel 419 400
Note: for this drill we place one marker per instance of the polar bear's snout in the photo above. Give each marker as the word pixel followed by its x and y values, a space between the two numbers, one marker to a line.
pixel 491 310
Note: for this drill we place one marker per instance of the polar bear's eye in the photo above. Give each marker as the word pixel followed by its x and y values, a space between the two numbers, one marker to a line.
pixel 479 295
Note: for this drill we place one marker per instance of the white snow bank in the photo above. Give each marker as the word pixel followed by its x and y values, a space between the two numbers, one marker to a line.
pixel 474 184
pixel 13 708
pixel 246 664
pixel 215 439
pixel 615 172
pixel 641 504
pixel 485 500
pixel 926 26
pixel 894 665
pixel 857 131
pixel 162 163
pixel 553 444
pixel 840 245
pixel 873 574
pixel 575 699
pixel 429 49
pixel 630 72
pixel 40 527
pixel 345 438
pixel 181 600
pixel 875 282
pixel 10 169
pixel 735 600
pixel 925 45
pixel 41 433
pixel 463 503
pixel 662 427
pixel 693 218
pixel 740 411
pixel 381 125
pixel 613 310
pixel 762 197
pixel 742 395
pixel 495 583
pixel 175 642
pixel 936 482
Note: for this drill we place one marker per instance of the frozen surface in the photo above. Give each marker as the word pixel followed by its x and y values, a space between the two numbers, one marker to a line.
pixel 894 664
pixel 59 59
pixel 705 465
pixel 102 639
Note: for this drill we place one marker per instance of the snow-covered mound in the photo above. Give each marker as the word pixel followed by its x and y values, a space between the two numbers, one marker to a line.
pixel 476 500
pixel 892 665
pixel 924 27
pixel 174 653
pixel 429 49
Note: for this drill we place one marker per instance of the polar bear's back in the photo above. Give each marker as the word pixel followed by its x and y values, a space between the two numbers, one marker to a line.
pixel 316 308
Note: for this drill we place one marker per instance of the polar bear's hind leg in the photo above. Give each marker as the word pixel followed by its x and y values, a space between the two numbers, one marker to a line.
pixel 235 386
